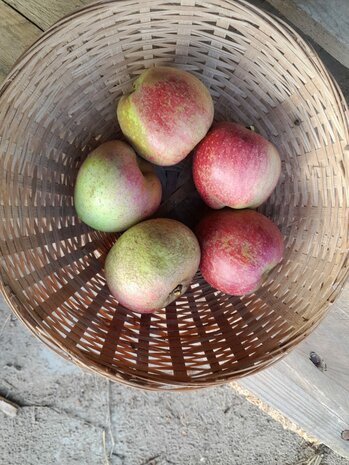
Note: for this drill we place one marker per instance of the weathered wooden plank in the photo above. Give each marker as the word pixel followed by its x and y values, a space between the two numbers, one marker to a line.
pixel 315 398
pixel 44 13
pixel 17 33
pixel 326 22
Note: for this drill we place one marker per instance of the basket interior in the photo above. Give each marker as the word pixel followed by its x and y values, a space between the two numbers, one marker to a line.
pixel 59 103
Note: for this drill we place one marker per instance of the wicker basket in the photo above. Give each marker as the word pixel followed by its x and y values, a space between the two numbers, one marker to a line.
pixel 59 102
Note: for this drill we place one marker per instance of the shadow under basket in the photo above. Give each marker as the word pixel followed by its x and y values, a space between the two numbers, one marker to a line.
pixel 58 103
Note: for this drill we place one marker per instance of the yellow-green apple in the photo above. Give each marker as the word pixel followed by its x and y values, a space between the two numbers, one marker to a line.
pixel 115 189
pixel 168 112
pixel 235 167
pixel 238 249
pixel 152 264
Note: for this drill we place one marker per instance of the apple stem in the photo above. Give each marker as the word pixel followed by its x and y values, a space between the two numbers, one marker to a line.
pixel 177 291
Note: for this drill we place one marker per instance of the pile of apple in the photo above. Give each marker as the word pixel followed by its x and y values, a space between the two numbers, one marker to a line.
pixel 167 115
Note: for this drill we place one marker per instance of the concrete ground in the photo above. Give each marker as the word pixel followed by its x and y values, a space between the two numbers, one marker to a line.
pixel 67 417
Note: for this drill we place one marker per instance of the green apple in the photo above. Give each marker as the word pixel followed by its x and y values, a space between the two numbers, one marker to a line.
pixel 115 189
pixel 152 264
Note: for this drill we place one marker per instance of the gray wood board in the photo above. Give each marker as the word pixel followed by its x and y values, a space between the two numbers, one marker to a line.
pixel 316 399
pixel 17 34
pixel 44 13
pixel 326 22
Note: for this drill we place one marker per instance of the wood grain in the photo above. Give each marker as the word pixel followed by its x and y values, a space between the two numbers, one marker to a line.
pixel 44 13
pixel 17 33
pixel 316 399
pixel 327 23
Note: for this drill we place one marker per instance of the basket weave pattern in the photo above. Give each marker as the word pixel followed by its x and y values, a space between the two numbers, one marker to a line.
pixel 58 103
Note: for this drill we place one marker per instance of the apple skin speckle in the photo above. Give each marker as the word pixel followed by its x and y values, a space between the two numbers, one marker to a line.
pixel 166 115
pixel 235 167
pixel 238 249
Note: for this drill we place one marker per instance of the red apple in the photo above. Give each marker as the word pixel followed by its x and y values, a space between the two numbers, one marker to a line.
pixel 166 115
pixel 238 249
pixel 235 167
pixel 152 264
pixel 115 189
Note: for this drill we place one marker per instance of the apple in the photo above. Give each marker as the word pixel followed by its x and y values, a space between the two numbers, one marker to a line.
pixel 238 249
pixel 168 112
pixel 235 167
pixel 115 189
pixel 152 264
